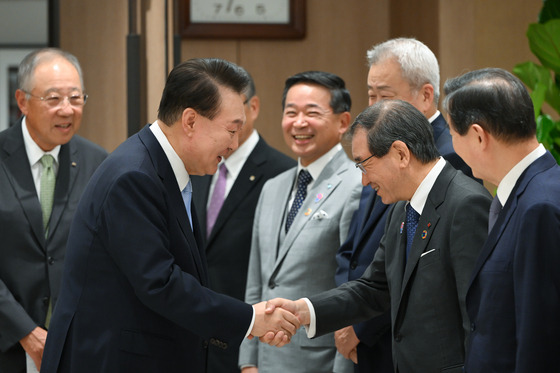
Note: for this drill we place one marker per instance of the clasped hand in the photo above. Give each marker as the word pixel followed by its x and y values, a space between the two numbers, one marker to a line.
pixel 277 320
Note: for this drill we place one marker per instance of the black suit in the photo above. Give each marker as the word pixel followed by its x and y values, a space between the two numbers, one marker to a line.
pixel 229 244
pixel 30 266
pixel 426 294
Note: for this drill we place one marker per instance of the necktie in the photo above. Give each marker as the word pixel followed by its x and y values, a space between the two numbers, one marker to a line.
pixel 495 208
pixel 47 190
pixel 187 197
pixel 304 178
pixel 217 200
pixel 411 223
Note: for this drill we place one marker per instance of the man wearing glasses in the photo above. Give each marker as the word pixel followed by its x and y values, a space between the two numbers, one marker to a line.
pixel 433 235
pixel 43 171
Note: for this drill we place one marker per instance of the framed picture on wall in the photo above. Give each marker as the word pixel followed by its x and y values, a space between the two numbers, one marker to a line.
pixel 254 19
pixel 9 62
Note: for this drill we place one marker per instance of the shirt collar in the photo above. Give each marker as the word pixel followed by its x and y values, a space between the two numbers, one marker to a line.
pixel 177 164
pixel 418 200
pixel 236 160
pixel 433 117
pixel 317 167
pixel 508 182
pixel 34 152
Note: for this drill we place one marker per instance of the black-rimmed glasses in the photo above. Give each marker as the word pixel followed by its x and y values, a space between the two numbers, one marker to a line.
pixel 360 164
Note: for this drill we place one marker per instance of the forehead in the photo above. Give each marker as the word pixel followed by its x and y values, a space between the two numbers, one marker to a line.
pixel 56 73
pixel 305 94
pixel 360 148
pixel 385 73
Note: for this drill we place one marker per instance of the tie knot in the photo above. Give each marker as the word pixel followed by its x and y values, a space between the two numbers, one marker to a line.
pixel 188 188
pixel 223 169
pixel 47 160
pixel 304 178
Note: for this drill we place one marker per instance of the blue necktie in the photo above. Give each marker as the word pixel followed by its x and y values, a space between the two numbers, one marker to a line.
pixel 187 197
pixel 495 208
pixel 304 178
pixel 412 218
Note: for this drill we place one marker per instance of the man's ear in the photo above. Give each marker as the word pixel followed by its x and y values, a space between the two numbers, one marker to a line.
pixel 22 101
pixel 426 97
pixel 401 152
pixel 481 136
pixel 255 105
pixel 188 121
pixel 344 121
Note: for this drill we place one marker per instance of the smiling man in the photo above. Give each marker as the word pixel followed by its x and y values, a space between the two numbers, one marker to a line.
pixel 134 296
pixel 35 217
pixel 433 234
pixel 302 217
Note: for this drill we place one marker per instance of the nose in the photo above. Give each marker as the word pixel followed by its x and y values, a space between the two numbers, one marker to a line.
pixel 365 181
pixel 301 121
pixel 64 108
pixel 235 141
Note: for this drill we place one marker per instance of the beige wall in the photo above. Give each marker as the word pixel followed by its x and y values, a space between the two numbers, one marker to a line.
pixel 465 35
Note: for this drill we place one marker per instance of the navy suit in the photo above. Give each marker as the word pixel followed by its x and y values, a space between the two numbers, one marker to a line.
pixel 229 244
pixel 356 254
pixel 513 300
pixel 133 296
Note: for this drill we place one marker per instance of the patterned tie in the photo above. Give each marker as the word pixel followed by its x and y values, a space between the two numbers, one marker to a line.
pixel 495 208
pixel 47 190
pixel 304 178
pixel 217 200
pixel 411 223
pixel 187 197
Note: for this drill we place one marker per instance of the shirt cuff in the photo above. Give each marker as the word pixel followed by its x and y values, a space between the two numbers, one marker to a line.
pixel 252 323
pixel 310 329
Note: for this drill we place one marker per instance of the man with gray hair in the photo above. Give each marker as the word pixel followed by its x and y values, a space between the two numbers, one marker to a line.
pixel 405 69
pixel 433 235
pixel 44 168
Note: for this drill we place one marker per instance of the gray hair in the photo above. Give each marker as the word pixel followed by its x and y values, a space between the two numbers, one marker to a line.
pixel 418 63
pixel 32 60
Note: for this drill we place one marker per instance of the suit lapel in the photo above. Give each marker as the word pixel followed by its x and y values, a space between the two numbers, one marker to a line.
pixel 69 164
pixel 325 185
pixel 248 178
pixel 17 169
pixel 177 205
pixel 542 164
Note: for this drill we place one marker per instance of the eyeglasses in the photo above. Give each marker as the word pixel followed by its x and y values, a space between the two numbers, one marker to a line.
pixel 360 165
pixel 55 100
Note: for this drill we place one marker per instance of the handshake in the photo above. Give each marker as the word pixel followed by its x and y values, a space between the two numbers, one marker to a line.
pixel 277 320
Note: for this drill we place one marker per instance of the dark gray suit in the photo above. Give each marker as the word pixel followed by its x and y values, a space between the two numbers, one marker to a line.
pixel 30 266
pixel 426 294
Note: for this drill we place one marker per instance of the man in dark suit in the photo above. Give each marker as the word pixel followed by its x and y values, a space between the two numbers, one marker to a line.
pixel 134 295
pixel 51 98
pixel 405 69
pixel 432 238
pixel 513 300
pixel 228 242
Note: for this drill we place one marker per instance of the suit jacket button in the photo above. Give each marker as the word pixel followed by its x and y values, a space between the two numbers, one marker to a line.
pixel 272 285
pixel 398 338
pixel 205 344
pixel 51 260
pixel 46 301
pixel 473 327
pixel 353 265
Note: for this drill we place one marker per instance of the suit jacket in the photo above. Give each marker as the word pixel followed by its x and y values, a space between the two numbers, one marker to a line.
pixel 229 244
pixel 133 297
pixel 356 254
pixel 514 297
pixel 426 293
pixel 305 261
pixel 31 266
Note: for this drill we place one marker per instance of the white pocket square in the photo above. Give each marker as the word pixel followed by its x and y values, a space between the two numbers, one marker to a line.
pixel 427 252
pixel 320 215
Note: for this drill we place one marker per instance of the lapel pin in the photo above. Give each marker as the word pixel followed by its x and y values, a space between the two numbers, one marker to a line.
pixel 429 225
pixel 424 234
pixel 252 177
pixel 319 197
pixel 329 186
pixel 402 226
pixel 73 164
pixel 308 212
